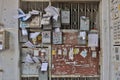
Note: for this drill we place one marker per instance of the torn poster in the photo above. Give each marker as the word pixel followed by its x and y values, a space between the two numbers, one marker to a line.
pixel 34 12
pixel 28 59
pixel 53 11
pixel 24 24
pixel 36 60
pixel 29 44
pixel 34 35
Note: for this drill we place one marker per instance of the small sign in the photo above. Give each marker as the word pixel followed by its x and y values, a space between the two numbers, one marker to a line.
pixel 46 37
pixel 65 17
pixel 93 40
pixel 84 23
pixel 57 37
pixel 44 66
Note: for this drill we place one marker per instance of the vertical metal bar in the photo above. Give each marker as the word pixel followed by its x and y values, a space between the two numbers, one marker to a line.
pixel 95 13
pixel 35 5
pixel 91 16
pixel 70 16
pixel 75 16
pixel 29 6
pixel 71 20
pixel 85 9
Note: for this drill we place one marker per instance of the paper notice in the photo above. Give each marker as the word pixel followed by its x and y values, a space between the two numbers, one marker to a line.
pixel 1 46
pixel 84 23
pixel 53 11
pixel 59 52
pixel 93 40
pixel 94 54
pixel 20 14
pixel 29 44
pixel 34 12
pixel 53 52
pixel 28 59
pixel 36 60
pixel 83 53
pixel 44 66
pixel 24 32
pixel 26 17
pixel 36 52
pixel 71 57
pixel 82 35
pixel 45 21
pixel 34 35
pixel 65 17
pixel 57 29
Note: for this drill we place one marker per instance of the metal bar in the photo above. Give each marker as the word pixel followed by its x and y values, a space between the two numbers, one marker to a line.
pixel 76 0
pixel 71 16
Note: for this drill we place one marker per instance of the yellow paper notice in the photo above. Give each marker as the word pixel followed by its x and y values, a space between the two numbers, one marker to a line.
pixel 118 6
pixel 53 52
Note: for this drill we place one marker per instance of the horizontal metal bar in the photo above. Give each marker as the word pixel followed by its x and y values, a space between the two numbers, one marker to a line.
pixel 36 0
pixel 62 0
pixel 75 0
pixel 72 76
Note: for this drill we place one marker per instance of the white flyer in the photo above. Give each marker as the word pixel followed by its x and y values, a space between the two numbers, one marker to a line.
pixel 24 32
pixel 1 46
pixel 29 44
pixel 34 35
pixel 65 17
pixel 44 66
pixel 36 52
pixel 93 40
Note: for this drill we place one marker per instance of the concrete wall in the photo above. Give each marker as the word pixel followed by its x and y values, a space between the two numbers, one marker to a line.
pixel 105 40
pixel 9 58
